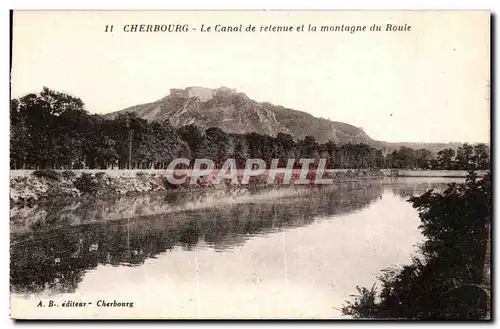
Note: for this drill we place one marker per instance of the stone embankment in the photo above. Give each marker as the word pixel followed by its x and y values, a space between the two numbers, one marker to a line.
pixel 58 185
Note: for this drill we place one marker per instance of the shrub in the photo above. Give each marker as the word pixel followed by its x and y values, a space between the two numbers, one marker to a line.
pixel 167 185
pixel 449 280
pixel 68 174
pixel 141 174
pixel 86 183
pixel 100 175
pixel 47 173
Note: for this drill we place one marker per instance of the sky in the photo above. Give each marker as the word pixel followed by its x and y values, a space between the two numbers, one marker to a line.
pixel 429 84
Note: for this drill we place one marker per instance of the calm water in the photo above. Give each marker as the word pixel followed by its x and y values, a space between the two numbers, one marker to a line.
pixel 282 253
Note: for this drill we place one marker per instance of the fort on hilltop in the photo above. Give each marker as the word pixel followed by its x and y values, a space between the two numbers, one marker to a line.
pixel 203 94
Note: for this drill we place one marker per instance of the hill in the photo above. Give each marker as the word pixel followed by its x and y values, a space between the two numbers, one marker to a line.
pixel 235 112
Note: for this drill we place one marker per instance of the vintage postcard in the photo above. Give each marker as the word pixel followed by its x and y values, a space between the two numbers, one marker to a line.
pixel 250 165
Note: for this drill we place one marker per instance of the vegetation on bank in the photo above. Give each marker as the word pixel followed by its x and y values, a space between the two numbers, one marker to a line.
pixel 52 130
pixel 450 277
pixel 51 185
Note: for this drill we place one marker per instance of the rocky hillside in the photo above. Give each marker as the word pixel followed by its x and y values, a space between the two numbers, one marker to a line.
pixel 234 112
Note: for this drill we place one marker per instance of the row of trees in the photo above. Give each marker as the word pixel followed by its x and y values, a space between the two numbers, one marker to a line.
pixel 53 130
pixel 466 157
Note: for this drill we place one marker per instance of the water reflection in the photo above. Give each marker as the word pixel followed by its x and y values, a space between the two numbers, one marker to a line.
pixel 408 187
pixel 53 246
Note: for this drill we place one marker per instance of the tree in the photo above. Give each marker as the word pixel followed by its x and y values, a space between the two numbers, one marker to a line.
pixel 423 159
pixel 464 157
pixel 240 150
pixel 192 136
pixel 445 282
pixel 404 158
pixel 52 130
pixel 445 159
pixel 481 157
pixel 309 147
pixel 216 146
pixel 286 147
pixel 40 128
pixel 20 143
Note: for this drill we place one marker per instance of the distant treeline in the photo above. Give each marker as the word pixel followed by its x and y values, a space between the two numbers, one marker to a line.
pixel 52 130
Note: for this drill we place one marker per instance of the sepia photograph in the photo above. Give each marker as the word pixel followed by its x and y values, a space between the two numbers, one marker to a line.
pixel 250 164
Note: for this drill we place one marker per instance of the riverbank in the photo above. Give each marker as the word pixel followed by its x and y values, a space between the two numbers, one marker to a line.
pixel 429 173
pixel 34 186
pixel 28 186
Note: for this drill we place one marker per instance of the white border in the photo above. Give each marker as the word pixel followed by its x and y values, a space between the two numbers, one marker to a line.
pixel 255 4
pixel 493 5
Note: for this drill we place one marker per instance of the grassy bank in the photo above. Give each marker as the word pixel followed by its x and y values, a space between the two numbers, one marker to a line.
pixel 58 185
pixel 429 173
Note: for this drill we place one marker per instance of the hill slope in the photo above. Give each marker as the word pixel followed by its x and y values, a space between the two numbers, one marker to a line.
pixel 234 112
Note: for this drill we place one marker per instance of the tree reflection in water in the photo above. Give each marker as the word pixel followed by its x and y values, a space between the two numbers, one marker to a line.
pixel 52 252
pixel 406 191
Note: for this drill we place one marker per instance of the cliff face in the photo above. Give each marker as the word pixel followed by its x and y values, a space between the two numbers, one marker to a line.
pixel 234 112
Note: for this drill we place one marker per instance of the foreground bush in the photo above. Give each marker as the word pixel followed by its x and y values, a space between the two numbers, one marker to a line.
pixel 68 174
pixel 447 280
pixel 86 183
pixel 47 173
